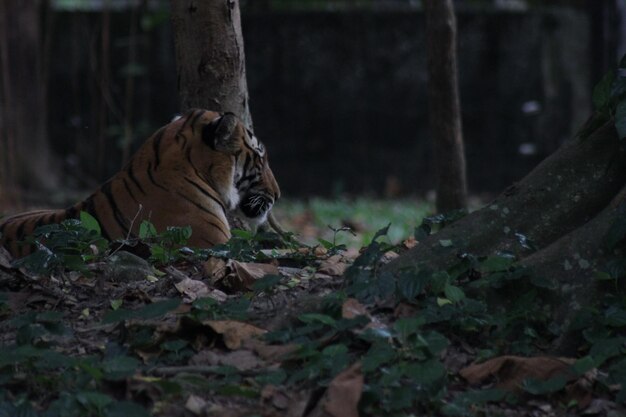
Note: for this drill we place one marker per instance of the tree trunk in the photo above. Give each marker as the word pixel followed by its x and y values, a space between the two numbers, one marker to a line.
pixel 28 157
pixel 443 105
pixel 210 56
pixel 566 207
pixel 565 191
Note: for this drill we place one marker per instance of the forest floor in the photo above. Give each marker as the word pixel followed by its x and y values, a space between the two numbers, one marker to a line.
pixel 260 327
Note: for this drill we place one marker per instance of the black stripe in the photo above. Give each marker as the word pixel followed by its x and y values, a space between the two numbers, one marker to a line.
pixel 195 119
pixel 39 222
pixel 89 207
pixel 131 175
pixel 246 163
pixel 117 214
pixel 71 212
pixel 204 192
pixel 245 143
pixel 152 178
pixel 156 143
pixel 202 177
pixel 204 210
pixel 187 118
pixel 246 178
pixel 182 136
pixel 19 233
pixel 129 190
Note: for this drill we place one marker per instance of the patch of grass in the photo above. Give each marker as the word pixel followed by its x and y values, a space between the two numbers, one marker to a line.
pixel 311 218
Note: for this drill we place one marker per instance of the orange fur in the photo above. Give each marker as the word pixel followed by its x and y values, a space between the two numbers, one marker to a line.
pixel 189 173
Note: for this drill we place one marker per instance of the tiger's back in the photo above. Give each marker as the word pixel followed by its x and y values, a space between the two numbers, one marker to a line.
pixel 189 173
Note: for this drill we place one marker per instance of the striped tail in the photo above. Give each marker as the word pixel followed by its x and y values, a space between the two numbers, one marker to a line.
pixel 15 229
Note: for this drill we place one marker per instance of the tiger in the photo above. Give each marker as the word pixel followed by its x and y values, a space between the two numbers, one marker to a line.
pixel 194 171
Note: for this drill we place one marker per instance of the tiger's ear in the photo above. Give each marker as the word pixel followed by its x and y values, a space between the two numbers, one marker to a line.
pixel 219 134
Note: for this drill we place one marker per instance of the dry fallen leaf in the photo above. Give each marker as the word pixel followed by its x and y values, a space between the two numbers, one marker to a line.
pixel 248 272
pixel 388 257
pixel 351 308
pixel 5 258
pixel 342 397
pixel 405 310
pixel 215 268
pixel 511 371
pixel 243 360
pixel 234 332
pixel 195 404
pixel 235 275
pixel 192 289
pixel 270 353
pixel 333 266
pixel 289 403
pixel 410 242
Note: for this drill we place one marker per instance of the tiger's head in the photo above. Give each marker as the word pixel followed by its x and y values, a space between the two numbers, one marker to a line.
pixel 234 163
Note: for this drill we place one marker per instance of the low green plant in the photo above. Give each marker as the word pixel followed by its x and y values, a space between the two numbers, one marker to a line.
pixel 71 244
pixel 168 246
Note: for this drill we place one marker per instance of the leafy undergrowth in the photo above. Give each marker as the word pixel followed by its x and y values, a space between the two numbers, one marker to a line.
pixel 318 218
pixel 259 327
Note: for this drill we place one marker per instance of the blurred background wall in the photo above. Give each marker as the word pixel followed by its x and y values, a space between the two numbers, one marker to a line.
pixel 337 88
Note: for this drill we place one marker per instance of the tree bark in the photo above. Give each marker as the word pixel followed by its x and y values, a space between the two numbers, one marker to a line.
pixel 444 112
pixel 30 160
pixel 561 194
pixel 210 56
pixel 566 206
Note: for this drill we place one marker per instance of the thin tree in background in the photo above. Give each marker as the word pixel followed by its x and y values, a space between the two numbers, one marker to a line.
pixel 444 106
pixel 26 154
pixel 210 56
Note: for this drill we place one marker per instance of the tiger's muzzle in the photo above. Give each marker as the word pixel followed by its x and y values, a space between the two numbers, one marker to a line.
pixel 255 205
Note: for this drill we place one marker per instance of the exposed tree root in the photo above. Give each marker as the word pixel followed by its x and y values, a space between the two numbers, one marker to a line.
pixel 566 207
pixel 561 194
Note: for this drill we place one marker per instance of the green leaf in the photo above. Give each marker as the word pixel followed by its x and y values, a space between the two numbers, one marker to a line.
pixel 537 387
pixel 242 234
pixel 274 377
pixel 120 367
pixel 382 232
pixel 412 282
pixel 334 350
pixel 583 365
pixel 125 409
pixel 443 301
pixel 379 354
pixel 90 223
pixel 620 119
pixel 265 283
pixel 453 293
pixel 147 230
pixel 617 231
pixel 602 91
pixel 615 317
pixel 147 312
pixel 174 345
pixel 94 399
pixel 435 342
pixel 542 282
pixel 315 317
pixel 497 263
pixel 426 373
pixel 606 348
pixel 408 326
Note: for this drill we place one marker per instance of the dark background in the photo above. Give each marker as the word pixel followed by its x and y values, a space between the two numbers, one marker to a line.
pixel 339 95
